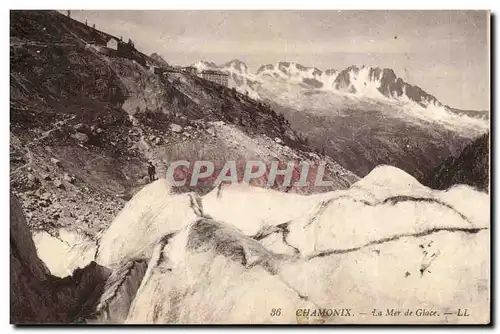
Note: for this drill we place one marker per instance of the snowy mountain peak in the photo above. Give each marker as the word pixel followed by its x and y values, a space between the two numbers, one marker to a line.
pixel 374 81
pixel 331 72
pixel 287 69
pixel 263 68
pixel 295 73
pixel 237 65
pixel 284 77
pixel 202 65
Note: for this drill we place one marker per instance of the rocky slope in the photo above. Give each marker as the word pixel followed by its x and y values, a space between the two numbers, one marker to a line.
pixel 157 60
pixel 181 258
pixel 84 124
pixel 361 116
pixel 471 167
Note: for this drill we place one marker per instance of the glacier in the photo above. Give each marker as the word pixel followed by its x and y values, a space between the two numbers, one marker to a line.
pixel 233 255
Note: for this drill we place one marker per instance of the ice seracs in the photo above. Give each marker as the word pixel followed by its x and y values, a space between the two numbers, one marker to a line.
pixel 219 258
pixel 150 215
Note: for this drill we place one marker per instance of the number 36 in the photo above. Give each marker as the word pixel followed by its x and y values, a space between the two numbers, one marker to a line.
pixel 275 312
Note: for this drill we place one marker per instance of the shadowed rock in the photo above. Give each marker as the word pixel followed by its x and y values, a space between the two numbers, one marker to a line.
pixel 38 297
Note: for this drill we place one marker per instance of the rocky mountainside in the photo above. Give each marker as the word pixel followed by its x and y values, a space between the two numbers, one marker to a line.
pixel 93 241
pixel 158 60
pixel 471 167
pixel 361 116
pixel 84 123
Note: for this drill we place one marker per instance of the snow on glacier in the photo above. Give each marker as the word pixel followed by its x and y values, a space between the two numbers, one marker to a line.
pixel 351 255
pixel 150 215
pixel 64 253
pixel 232 256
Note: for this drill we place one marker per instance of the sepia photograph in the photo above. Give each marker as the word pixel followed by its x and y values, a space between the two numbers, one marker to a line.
pixel 250 167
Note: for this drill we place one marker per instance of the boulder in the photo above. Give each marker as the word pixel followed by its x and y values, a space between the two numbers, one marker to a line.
pixel 211 131
pixel 176 128
pixel 32 181
pixel 55 162
pixel 69 178
pixel 33 178
pixel 81 137
pixel 58 184
pixel 81 127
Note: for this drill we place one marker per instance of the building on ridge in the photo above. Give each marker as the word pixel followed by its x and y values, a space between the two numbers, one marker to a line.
pixel 216 76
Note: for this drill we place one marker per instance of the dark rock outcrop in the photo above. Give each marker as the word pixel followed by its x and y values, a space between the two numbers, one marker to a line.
pixel 158 60
pixel 36 297
pixel 471 167
pixel 119 292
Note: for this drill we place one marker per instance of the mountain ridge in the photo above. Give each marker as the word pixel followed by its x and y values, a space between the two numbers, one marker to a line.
pixel 389 84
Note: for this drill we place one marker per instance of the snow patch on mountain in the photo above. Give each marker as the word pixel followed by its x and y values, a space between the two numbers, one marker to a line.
pixel 296 74
pixel 430 111
pixel 203 65
pixel 364 82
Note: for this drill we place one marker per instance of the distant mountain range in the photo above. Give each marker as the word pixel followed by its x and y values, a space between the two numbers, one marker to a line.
pixel 361 81
pixel 363 116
